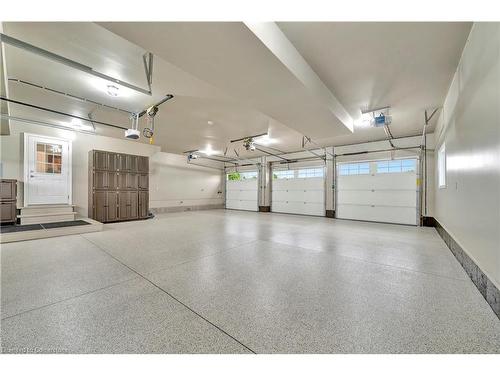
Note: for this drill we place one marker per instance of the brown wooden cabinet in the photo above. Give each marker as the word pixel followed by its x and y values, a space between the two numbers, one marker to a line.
pixel 118 186
pixel 8 194
pixel 143 203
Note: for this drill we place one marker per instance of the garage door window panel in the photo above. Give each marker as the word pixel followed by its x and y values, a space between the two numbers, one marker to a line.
pixel 354 169
pixel 396 166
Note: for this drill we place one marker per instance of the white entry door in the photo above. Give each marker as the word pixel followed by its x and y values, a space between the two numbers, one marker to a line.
pixel 382 190
pixel 47 170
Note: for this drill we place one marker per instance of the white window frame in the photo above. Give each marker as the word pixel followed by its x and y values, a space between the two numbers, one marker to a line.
pixel 358 171
pixel 442 166
pixel 311 172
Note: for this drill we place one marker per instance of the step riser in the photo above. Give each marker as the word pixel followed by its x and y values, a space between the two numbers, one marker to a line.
pixel 48 219
pixel 45 233
pixel 37 211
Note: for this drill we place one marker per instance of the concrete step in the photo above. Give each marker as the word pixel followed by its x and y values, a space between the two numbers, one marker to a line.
pixel 94 226
pixel 47 209
pixel 46 218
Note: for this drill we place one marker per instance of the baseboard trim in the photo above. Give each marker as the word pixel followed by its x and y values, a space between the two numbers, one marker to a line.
pixel 428 221
pixel 487 289
pixel 264 208
pixel 330 213
pixel 162 210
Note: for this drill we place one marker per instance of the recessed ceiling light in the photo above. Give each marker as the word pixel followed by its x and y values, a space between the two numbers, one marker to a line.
pixel 112 90
pixel 265 140
pixel 208 150
pixel 210 122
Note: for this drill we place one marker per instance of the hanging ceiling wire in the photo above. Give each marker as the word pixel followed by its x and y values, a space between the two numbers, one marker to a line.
pixel 68 95
pixel 60 113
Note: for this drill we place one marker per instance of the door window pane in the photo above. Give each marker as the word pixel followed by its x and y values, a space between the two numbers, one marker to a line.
pixel 48 158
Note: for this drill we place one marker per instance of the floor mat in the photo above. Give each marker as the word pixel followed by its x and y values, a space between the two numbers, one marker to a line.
pixel 19 228
pixel 63 224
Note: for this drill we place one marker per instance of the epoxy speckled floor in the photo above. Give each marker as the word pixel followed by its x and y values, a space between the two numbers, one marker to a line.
pixel 241 282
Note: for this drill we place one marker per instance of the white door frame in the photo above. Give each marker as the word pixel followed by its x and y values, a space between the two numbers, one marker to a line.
pixel 27 169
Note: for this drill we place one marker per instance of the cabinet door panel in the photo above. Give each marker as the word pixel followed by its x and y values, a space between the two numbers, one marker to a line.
pixel 122 181
pixel 112 180
pixel 7 212
pixel 143 204
pixel 111 203
pixel 100 208
pixel 132 181
pixel 100 180
pixel 132 163
pixel 133 200
pixel 143 164
pixel 123 205
pixel 125 162
pixel 143 181
pixel 8 190
pixel 113 161
pixel 100 160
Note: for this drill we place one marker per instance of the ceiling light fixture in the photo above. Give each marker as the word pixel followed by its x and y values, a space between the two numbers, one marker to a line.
pixel 112 90
pixel 208 150
pixel 266 140
pixel 210 122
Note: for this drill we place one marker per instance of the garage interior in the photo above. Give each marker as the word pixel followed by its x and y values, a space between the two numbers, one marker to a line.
pixel 236 187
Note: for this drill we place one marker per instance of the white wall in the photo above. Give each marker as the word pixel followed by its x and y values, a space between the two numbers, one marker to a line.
pixel 469 207
pixel 173 182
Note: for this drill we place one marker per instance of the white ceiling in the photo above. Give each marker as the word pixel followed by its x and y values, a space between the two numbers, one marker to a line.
pixel 408 66
pixel 223 73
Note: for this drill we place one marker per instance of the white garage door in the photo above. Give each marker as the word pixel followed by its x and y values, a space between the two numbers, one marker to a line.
pixel 299 191
pixel 383 191
pixel 242 191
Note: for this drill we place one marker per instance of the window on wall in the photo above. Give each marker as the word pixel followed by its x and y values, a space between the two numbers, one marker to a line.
pixel 397 166
pixel 311 172
pixel 442 166
pixel 354 169
pixel 283 174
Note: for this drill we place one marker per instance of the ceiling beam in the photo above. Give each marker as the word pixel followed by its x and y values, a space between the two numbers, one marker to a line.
pixel 74 64
pixel 4 106
pixel 276 41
